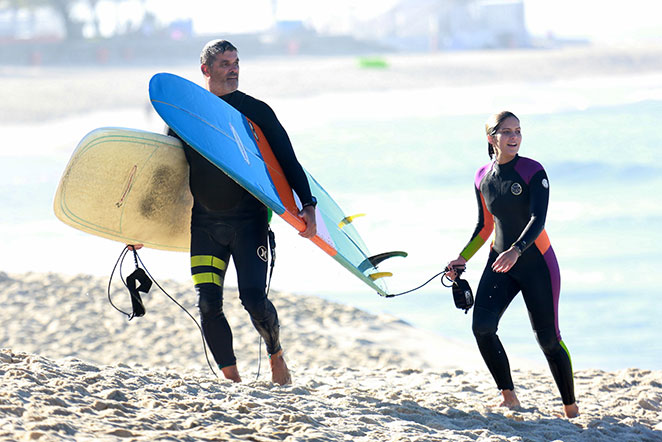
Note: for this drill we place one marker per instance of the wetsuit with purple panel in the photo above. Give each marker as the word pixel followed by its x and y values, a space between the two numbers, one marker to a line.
pixel 512 201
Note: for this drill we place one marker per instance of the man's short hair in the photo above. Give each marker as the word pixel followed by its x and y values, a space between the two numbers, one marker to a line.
pixel 213 48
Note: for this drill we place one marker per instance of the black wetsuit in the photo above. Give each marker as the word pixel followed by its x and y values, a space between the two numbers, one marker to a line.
pixel 513 197
pixel 229 221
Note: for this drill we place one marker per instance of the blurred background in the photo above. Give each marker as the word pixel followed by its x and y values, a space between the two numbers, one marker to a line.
pixel 385 102
pixel 132 31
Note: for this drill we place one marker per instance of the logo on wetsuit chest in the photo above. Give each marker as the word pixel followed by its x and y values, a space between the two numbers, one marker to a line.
pixel 516 189
pixel 262 253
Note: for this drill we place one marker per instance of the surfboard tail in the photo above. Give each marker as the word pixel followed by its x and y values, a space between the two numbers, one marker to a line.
pixel 375 260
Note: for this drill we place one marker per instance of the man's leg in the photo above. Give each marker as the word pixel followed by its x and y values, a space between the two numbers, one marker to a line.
pixel 208 266
pixel 250 258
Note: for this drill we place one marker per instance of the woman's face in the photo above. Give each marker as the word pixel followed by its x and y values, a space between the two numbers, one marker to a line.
pixel 506 140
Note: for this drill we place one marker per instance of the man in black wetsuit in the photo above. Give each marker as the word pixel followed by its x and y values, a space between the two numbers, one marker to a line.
pixel 229 221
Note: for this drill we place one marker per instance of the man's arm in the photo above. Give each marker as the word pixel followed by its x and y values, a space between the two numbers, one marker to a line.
pixel 262 115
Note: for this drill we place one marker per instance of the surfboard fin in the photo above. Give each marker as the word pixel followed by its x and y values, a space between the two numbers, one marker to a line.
pixel 376 276
pixel 373 261
pixel 348 219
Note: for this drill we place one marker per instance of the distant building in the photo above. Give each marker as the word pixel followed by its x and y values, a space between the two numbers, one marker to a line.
pixel 30 24
pixel 431 25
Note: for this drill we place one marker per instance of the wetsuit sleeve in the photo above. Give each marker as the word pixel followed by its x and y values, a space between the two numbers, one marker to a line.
pixel 483 230
pixel 187 149
pixel 538 202
pixel 282 148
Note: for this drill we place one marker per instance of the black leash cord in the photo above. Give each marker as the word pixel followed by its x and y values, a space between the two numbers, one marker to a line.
pixel 202 335
pixel 271 236
pixel 393 295
pixel 119 262
pixel 458 270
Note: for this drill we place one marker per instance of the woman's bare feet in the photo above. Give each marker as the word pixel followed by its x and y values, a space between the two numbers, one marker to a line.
pixel 571 410
pixel 509 399
pixel 280 374
pixel 231 372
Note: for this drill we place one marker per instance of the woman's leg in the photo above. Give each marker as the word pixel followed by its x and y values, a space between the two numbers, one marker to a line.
pixel 495 292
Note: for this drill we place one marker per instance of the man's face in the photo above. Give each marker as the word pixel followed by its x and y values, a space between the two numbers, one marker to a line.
pixel 222 76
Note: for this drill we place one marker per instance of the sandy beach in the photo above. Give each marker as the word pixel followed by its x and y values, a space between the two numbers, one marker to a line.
pixel 38 94
pixel 73 368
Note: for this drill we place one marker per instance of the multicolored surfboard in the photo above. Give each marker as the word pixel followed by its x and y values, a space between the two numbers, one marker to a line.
pixel 238 147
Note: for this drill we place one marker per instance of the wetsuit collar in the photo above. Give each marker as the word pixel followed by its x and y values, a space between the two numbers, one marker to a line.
pixel 509 164
pixel 228 96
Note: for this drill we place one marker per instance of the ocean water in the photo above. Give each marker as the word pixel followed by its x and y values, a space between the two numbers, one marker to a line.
pixel 407 159
pixel 604 222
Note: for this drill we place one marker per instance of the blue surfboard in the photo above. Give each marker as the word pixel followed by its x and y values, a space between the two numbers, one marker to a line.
pixel 237 146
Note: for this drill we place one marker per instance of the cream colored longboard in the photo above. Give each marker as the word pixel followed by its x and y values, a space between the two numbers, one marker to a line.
pixel 129 186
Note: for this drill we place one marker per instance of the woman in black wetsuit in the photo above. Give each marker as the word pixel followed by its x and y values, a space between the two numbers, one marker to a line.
pixel 512 194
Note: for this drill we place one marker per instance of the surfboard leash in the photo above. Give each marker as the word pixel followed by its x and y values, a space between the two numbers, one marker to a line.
pixel 462 294
pixel 271 237
pixel 145 278
pixel 393 295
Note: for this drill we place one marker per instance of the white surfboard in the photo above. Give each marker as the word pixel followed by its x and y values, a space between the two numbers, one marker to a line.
pixel 130 186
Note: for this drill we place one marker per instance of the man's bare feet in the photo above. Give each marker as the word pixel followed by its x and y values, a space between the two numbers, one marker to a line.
pixel 231 372
pixel 280 374
pixel 571 410
pixel 509 399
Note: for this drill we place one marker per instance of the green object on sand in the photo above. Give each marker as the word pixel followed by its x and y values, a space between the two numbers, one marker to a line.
pixel 373 63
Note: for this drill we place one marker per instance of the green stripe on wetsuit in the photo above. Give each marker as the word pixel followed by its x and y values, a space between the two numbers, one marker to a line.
pixel 200 269
pixel 471 248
